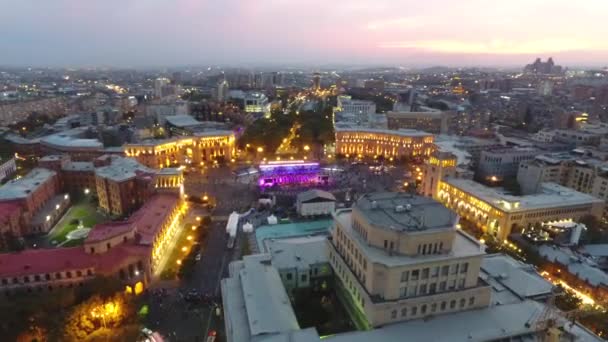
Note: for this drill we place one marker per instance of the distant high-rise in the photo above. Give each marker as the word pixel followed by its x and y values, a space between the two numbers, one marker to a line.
pixel 222 91
pixel 316 81
pixel 540 67
pixel 159 84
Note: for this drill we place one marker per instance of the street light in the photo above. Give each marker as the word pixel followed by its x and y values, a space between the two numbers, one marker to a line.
pixel 260 149
pixel 306 148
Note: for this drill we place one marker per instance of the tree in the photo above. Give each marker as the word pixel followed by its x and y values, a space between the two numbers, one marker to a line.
pixel 568 300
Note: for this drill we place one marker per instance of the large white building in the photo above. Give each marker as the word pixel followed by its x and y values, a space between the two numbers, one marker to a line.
pixel 315 203
pixel 351 111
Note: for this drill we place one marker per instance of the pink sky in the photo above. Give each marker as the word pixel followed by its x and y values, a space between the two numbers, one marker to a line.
pixel 404 32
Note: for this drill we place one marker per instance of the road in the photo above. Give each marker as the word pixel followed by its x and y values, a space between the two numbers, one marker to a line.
pixel 171 315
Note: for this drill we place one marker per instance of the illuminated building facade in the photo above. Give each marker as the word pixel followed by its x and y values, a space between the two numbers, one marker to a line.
pixel 368 142
pixel 436 168
pixel 197 149
pixel 498 213
pixel 401 257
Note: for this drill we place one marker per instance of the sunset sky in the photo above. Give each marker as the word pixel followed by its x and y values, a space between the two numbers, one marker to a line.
pixel 402 32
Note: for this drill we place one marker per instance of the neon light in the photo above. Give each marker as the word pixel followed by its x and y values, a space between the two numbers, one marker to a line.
pixel 274 166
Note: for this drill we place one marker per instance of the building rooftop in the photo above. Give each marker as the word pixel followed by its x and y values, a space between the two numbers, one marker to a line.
pixel 257 304
pixel 213 133
pixel 314 194
pixel 122 169
pixel 596 250
pixel 584 268
pixel 147 221
pixel 41 261
pixel 398 132
pixel 299 252
pixel 512 280
pixel 405 212
pixel 551 195
pixel 79 166
pixel 290 230
pixel 24 186
pixel 493 323
pixel 67 140
pixel 462 246
pixel 182 121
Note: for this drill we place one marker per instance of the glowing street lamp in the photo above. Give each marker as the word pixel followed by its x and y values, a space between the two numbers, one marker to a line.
pixel 260 149
pixel 306 148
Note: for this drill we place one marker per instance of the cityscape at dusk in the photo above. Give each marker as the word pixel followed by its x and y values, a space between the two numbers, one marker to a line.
pixel 144 33
pixel 305 171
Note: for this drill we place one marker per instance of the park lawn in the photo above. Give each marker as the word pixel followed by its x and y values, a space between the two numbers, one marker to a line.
pixel 79 211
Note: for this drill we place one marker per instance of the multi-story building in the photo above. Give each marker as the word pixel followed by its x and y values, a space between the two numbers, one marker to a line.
pixel 38 196
pixel 435 122
pixel 123 186
pixel 405 272
pixel 369 142
pixel 201 147
pixel 498 164
pixel 354 111
pixel 587 175
pixel 7 168
pixel 499 214
pixel 71 143
pixel 542 169
pixel 401 257
pixel 129 251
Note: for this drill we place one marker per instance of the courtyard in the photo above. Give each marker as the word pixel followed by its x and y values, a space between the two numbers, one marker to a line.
pixel 321 308
pixel 64 233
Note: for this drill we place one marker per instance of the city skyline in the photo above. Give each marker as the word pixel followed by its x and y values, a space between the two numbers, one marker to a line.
pixel 135 33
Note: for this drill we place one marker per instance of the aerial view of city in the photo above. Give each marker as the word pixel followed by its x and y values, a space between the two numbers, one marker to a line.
pixel 298 171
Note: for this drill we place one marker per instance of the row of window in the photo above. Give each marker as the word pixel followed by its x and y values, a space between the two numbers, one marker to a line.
pixel 46 277
pixel 432 288
pixel 430 248
pixel 557 212
pixel 432 308
pixel 434 272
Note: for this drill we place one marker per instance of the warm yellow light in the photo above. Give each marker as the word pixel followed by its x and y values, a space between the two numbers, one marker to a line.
pixel 189 237
pixel 198 218
pixel 205 198
pixel 482 241
pixel 193 227
pixel 260 149
pixel 184 249
pixel 306 148
pixel 179 262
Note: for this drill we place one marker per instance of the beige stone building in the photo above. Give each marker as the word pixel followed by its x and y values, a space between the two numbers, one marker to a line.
pixel 370 142
pixel 401 257
pixel 499 213
pixel 200 148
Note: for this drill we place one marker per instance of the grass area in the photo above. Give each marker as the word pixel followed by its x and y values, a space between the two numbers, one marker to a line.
pixel 85 211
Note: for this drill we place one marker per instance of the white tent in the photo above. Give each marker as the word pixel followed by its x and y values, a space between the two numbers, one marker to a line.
pixel 272 219
pixel 233 223
pixel 247 227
